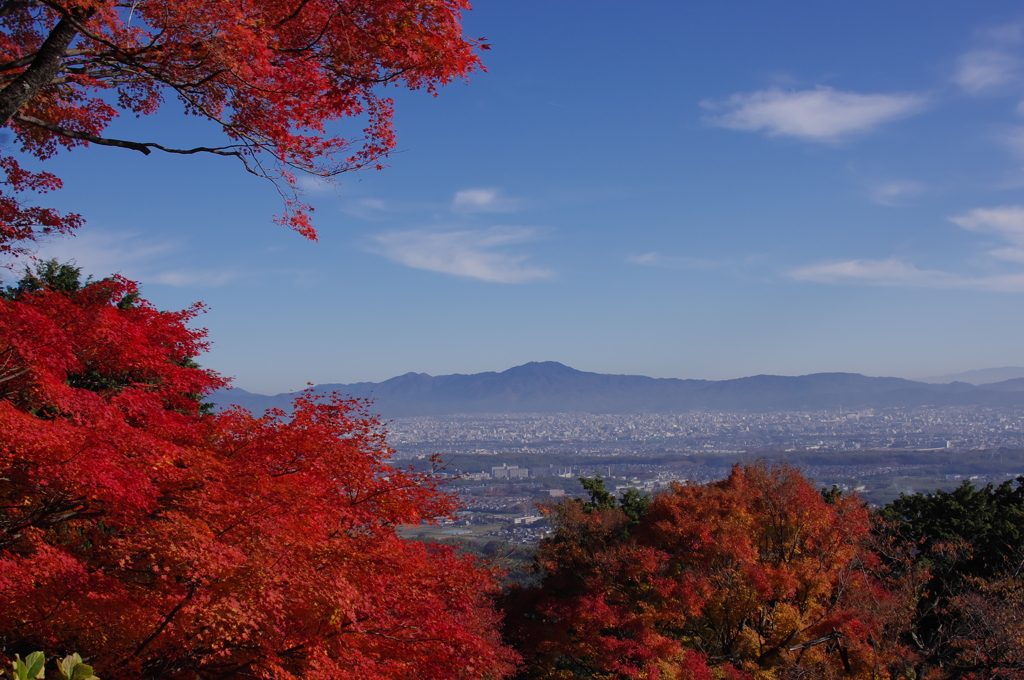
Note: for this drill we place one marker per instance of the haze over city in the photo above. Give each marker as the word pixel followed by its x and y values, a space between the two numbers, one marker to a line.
pixel 693 191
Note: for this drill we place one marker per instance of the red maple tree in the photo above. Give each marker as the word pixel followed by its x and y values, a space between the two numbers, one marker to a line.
pixel 272 74
pixel 163 541
pixel 755 576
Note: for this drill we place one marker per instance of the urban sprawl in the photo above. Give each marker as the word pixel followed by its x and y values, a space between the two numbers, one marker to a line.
pixel 502 466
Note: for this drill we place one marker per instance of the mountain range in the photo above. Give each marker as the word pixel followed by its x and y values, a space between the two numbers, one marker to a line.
pixel 981 376
pixel 551 387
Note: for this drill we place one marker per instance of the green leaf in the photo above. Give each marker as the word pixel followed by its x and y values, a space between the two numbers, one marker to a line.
pixel 72 668
pixel 83 672
pixel 20 672
pixel 35 662
pixel 31 668
pixel 65 665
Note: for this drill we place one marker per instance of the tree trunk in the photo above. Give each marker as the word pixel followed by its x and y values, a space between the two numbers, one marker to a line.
pixel 43 69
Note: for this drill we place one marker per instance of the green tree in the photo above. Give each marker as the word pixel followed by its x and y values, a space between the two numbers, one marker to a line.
pixel 969 545
pixel 990 519
pixel 600 497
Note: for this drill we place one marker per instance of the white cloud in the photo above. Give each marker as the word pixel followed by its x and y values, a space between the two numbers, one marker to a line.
pixel 1006 221
pixel 483 200
pixel 470 253
pixel 192 278
pixel 313 185
pixel 995 64
pixel 1008 254
pixel 875 272
pixel 366 208
pixel 894 272
pixel 372 203
pixel 673 262
pixel 895 193
pixel 474 198
pixel 101 253
pixel 821 115
pixel 982 71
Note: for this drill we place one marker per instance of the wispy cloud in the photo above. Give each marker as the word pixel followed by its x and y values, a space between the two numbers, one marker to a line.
pixel 477 254
pixel 1005 222
pixel 484 200
pixel 192 278
pixel 895 272
pixel 891 272
pixel 371 209
pixel 463 202
pixel 674 262
pixel 995 65
pixel 982 71
pixel 372 204
pixel 101 253
pixel 821 115
pixel 313 185
pixel 897 192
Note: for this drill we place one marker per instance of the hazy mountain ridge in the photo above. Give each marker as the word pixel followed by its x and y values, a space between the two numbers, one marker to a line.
pixel 551 387
pixel 980 376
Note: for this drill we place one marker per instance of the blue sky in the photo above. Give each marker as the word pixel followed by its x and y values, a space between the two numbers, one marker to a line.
pixel 695 190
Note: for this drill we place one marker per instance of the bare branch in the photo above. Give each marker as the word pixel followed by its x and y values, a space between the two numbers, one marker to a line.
pixel 143 147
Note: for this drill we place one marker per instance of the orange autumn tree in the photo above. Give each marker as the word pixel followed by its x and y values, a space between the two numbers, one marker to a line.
pixel 755 576
pixel 163 541
pixel 272 75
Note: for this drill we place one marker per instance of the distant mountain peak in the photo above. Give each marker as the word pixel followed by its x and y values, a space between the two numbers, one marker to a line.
pixel 553 387
pixel 541 366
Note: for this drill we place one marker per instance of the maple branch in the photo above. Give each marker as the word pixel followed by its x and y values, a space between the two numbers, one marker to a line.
pixel 311 44
pixel 143 147
pixel 18 63
pixel 167 619
pixel 46 64
pixel 14 375
pixel 396 638
pixel 53 610
pixel 294 14
pixel 237 449
pixel 74 134
pixel 244 519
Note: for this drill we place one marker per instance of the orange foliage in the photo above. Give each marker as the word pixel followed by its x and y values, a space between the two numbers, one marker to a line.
pixel 756 576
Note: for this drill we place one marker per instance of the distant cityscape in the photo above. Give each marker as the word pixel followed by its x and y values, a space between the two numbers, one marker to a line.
pixel 507 441
pixel 924 428
pixel 503 465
